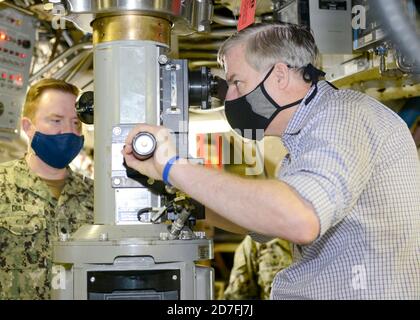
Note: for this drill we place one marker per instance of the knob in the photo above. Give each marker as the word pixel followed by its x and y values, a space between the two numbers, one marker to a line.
pixel 84 107
pixel 26 44
pixel 144 145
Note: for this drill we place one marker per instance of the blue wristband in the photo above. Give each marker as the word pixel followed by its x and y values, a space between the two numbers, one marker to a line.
pixel 167 169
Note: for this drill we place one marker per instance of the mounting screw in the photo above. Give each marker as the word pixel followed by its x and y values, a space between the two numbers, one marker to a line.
pixel 116 131
pixel 117 181
pixel 103 237
pixel 163 59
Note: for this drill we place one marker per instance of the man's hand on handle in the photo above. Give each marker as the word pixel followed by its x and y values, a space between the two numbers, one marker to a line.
pixel 165 150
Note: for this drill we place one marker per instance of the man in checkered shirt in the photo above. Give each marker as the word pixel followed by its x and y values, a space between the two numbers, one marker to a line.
pixel 347 194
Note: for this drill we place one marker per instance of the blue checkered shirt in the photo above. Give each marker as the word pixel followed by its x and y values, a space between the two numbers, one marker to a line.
pixel 355 161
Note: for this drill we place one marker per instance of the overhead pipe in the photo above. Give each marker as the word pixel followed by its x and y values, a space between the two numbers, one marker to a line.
pixel 81 46
pixel 198 55
pixel 200 46
pixel 70 65
pixel 225 21
pixel 202 63
pixel 11 5
pixel 87 60
pixel 221 33
pixel 402 65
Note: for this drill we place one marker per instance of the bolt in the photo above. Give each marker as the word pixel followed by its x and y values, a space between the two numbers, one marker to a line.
pixel 174 277
pixel 185 235
pixel 117 181
pixel 64 237
pixel 92 279
pixel 163 59
pixel 170 190
pixel 200 234
pixel 103 237
pixel 163 236
pixel 116 131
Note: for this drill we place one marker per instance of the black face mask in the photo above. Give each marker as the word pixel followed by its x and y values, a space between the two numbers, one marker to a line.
pixel 251 114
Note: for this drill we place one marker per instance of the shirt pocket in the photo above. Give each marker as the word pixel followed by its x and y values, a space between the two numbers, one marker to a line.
pixel 68 221
pixel 25 256
pixel 23 224
pixel 24 240
pixel 72 215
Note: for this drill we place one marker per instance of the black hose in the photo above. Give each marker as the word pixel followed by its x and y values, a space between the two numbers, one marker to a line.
pixel 402 32
pixel 142 212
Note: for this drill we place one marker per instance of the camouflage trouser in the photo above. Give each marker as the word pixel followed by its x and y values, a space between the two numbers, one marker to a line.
pixel 23 284
pixel 254 267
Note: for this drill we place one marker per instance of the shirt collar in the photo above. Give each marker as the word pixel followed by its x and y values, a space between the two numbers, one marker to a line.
pixel 26 179
pixel 301 116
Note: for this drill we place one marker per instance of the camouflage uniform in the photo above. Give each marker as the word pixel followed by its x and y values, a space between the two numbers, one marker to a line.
pixel 30 220
pixel 254 267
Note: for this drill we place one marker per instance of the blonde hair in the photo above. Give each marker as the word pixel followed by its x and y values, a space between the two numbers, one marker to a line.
pixel 36 91
pixel 268 44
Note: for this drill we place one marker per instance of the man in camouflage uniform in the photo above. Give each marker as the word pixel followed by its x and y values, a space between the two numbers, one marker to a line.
pixel 40 200
pixel 254 267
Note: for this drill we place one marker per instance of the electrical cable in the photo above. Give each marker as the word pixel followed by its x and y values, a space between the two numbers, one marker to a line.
pixel 142 212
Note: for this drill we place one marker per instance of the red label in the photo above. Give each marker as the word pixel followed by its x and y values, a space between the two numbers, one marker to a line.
pixel 247 13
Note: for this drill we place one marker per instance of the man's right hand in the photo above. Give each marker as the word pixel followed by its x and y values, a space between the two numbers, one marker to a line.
pixel 165 150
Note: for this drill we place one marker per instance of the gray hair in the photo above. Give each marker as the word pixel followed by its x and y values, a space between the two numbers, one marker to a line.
pixel 268 44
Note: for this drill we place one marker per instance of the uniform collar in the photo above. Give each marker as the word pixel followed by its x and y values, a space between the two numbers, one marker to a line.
pixel 26 179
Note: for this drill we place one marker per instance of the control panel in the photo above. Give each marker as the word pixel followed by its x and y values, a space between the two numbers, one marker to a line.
pixel 17 40
pixel 330 21
pixel 371 35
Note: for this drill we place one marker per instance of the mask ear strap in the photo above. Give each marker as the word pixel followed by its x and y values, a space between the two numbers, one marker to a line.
pixel 312 74
pixel 268 74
